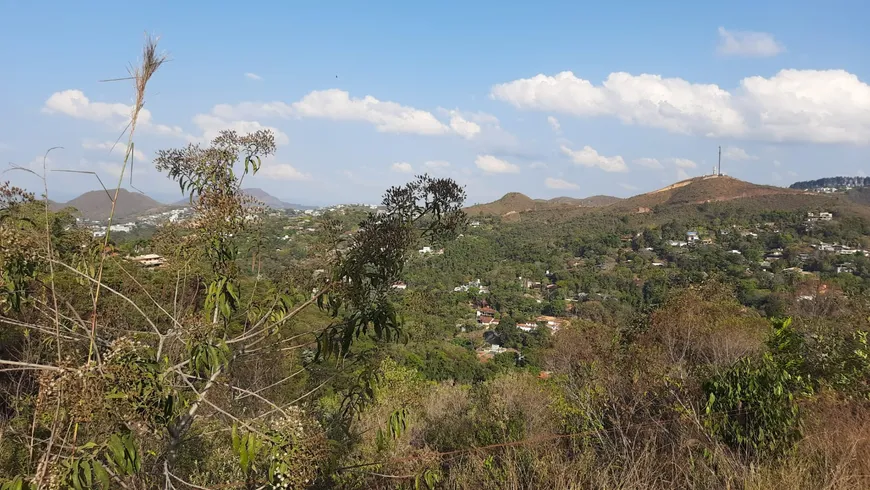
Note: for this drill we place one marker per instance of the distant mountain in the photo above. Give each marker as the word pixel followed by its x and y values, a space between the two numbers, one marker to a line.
pixel 699 190
pixel 514 202
pixel 832 182
pixel 264 197
pixel 97 205
pixel 272 201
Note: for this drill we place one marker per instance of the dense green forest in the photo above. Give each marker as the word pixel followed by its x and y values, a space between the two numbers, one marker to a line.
pixel 714 345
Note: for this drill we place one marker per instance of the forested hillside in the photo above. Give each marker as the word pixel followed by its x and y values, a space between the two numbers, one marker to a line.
pixel 710 335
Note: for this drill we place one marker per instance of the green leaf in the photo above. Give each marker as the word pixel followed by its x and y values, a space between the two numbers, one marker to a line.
pixel 101 475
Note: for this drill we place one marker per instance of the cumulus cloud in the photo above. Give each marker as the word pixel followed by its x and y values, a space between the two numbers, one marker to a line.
pixel 748 44
pixel 627 186
pixel 559 184
pixel 463 127
pixel 75 104
pixel 776 176
pixel 538 165
pixel 588 157
pixel 282 171
pixel 777 163
pixel 682 174
pixel 685 163
pixel 387 117
pixel 493 165
pixel 648 162
pixel 4 146
pixel 822 106
pixel 735 153
pixel 211 125
pixel 112 147
pixel 554 123
pixel 253 76
pixel 402 167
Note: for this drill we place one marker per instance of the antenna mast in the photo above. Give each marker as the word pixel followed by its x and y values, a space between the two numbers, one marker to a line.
pixel 719 172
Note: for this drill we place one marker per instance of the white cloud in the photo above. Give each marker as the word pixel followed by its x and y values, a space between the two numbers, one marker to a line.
pixel 538 165
pixel 735 153
pixel 112 147
pixel 4 146
pixel 777 163
pixel 648 162
pixel 211 125
pixel 387 117
pixel 649 100
pixel 627 186
pixel 464 127
pixel 282 171
pixel 559 184
pixel 588 157
pixel 682 174
pixel 436 164
pixel 75 104
pixel 253 76
pixel 493 165
pixel 792 173
pixel 685 163
pixel 747 43
pixel 821 106
pixel 403 167
pixel 776 176
pixel 554 123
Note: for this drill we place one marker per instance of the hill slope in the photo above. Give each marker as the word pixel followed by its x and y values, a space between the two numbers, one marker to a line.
pixel 514 202
pixel 591 201
pixel 96 205
pixel 703 189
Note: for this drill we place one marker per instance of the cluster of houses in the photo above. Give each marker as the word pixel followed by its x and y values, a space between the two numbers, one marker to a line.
pixel 840 249
pixel 99 230
pixel 486 317
pixel 822 216
pixel 692 238
pixel 470 285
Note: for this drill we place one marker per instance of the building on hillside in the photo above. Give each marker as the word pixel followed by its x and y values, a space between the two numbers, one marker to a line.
pixel 485 311
pixel 846 268
pixel 692 236
pixel 400 285
pixel 149 260
pixel 527 327
pixel 475 284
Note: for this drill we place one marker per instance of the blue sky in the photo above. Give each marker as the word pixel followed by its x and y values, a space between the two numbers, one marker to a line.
pixel 545 98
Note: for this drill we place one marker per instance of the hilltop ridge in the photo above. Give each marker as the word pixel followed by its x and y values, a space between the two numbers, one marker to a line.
pixel 515 202
pixel 710 188
pixel 97 205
